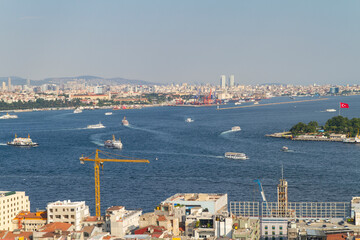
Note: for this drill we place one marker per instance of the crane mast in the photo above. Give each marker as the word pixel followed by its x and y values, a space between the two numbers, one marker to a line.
pixel 100 162
pixel 263 196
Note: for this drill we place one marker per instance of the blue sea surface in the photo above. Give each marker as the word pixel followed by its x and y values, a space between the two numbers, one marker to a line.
pixel 189 155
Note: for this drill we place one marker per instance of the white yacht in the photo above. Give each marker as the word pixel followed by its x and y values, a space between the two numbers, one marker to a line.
pixel 189 120
pixel 108 113
pixel 8 116
pixel 113 143
pixel 99 125
pixel 235 129
pixel 330 110
pixel 238 103
pixel 237 156
pixel 78 110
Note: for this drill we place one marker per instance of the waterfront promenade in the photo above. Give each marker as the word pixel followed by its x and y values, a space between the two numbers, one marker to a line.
pixel 278 103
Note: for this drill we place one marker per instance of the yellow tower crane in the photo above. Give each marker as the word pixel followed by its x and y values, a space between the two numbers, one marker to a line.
pixel 99 162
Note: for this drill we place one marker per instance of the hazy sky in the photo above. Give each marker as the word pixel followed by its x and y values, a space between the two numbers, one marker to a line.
pixel 299 42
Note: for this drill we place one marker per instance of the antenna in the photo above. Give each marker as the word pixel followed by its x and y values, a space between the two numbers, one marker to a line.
pixel 282 171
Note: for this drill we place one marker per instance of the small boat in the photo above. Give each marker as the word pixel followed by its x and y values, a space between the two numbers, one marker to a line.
pixel 285 149
pixel 8 116
pixel 235 129
pixel 22 142
pixel 125 122
pixel 238 103
pixel 237 156
pixel 330 110
pixel 108 113
pixel 189 120
pixel 95 126
pixel 113 143
pixel 78 110
pixel 255 103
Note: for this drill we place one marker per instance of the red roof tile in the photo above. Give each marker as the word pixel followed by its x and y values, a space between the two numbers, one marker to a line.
pixel 51 227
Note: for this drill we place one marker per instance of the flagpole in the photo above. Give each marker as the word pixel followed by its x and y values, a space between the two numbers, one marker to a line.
pixel 339 108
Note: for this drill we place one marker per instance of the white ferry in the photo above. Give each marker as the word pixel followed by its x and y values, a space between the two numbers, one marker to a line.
pixel 235 129
pixel 125 122
pixel 113 143
pixel 189 120
pixel 78 110
pixel 108 113
pixel 99 125
pixel 22 142
pixel 330 110
pixel 8 116
pixel 237 156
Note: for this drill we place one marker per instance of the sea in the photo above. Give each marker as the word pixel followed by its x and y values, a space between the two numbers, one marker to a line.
pixel 184 157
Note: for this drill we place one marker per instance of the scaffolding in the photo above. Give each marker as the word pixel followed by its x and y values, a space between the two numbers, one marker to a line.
pixel 245 209
pixel 319 210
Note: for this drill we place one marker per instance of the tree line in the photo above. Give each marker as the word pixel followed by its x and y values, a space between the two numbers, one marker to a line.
pixel 338 124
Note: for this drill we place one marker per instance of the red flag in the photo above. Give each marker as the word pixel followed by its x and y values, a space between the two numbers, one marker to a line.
pixel 344 105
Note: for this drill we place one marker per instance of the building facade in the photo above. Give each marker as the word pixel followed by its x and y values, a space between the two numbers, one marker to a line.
pixel 11 203
pixel 68 212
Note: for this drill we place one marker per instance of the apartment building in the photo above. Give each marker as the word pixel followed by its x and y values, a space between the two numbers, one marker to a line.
pixel 11 203
pixel 68 212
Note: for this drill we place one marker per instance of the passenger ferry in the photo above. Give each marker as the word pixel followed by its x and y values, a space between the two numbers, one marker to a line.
pixel 8 116
pixel 113 143
pixel 99 125
pixel 22 142
pixel 237 156
pixel 125 122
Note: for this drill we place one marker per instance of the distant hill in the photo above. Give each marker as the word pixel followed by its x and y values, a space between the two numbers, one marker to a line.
pixel 90 80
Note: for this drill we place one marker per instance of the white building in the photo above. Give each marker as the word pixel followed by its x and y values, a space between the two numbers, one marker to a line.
pixel 210 202
pixel 206 225
pixel 231 81
pixel 11 203
pixel 119 221
pixel 273 228
pixel 67 212
pixel 99 90
pixel 223 81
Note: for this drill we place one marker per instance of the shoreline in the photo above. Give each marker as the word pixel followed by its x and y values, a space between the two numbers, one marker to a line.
pixel 288 135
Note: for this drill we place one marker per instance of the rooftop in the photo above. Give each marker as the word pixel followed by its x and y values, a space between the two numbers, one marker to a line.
pixel 196 197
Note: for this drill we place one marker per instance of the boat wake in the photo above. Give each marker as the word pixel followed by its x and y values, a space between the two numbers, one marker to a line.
pixel 226 132
pixel 96 139
pixel 145 130
pixel 3 144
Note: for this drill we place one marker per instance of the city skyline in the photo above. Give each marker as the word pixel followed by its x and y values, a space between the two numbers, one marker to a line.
pixel 177 42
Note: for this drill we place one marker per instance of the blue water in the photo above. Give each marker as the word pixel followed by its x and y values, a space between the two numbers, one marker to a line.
pixel 190 155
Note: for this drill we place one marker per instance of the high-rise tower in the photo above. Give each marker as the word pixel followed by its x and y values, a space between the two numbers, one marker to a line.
pixel 4 86
pixel 282 190
pixel 223 81
pixel 231 81
pixel 9 83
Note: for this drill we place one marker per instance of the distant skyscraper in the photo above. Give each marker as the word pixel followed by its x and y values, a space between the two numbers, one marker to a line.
pixel 232 81
pixel 9 83
pixel 4 86
pixel 223 81
pixel 28 82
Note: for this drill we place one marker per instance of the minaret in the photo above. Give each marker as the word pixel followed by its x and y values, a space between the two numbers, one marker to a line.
pixel 282 190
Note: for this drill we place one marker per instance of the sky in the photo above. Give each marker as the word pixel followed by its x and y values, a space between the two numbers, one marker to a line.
pixel 168 41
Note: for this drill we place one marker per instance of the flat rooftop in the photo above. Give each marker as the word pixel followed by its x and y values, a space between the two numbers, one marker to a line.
pixel 199 197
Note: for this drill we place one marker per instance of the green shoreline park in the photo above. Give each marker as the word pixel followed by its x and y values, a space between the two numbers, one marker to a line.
pixel 338 124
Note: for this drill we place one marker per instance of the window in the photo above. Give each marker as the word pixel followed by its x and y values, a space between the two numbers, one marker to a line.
pixel 266 233
pixel 266 227
pixel 280 227
pixel 273 233
pixel 281 233
pixel 273 227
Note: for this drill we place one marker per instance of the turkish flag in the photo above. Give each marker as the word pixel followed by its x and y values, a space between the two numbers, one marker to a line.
pixel 344 105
